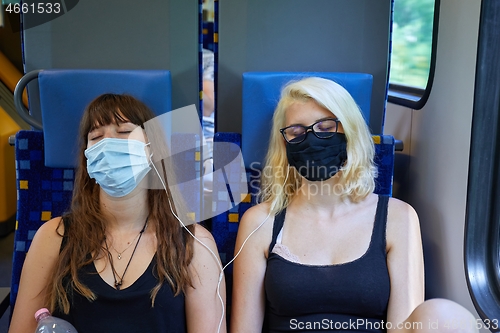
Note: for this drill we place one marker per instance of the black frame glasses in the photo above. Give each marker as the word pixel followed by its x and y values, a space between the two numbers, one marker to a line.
pixel 314 128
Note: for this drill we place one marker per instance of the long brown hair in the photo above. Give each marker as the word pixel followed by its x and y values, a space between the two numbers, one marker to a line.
pixel 84 238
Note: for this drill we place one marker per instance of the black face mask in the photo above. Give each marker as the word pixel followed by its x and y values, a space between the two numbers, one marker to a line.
pixel 318 159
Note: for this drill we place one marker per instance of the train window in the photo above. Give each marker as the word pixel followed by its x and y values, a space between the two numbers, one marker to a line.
pixel 414 39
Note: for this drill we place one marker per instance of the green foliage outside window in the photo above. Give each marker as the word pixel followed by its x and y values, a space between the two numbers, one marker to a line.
pixel 411 42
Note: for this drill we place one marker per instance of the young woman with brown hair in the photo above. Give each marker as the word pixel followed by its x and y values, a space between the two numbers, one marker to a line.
pixel 120 260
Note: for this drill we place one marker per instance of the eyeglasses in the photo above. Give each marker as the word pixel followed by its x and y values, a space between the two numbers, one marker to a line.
pixel 323 129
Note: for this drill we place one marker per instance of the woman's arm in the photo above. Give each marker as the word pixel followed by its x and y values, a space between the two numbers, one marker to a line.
pixel 203 305
pixel 404 260
pixel 208 98
pixel 248 305
pixel 36 274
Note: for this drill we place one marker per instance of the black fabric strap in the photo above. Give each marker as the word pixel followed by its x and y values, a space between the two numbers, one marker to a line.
pixel 379 229
pixel 66 223
pixel 279 220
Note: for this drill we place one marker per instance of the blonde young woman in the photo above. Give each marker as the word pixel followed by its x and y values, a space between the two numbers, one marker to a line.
pixel 119 260
pixel 329 254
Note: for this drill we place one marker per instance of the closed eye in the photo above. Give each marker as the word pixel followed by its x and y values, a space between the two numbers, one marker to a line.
pixel 327 125
pixel 325 128
pixel 296 130
pixel 94 135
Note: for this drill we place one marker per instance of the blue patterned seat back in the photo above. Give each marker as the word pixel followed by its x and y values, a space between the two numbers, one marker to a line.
pixel 208 36
pixel 45 161
pixel 42 192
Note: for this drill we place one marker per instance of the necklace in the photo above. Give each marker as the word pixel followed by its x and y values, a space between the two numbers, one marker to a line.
pixel 116 276
pixel 119 256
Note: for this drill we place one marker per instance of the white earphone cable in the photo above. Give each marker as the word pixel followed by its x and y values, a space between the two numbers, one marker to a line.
pixel 258 227
pixel 221 275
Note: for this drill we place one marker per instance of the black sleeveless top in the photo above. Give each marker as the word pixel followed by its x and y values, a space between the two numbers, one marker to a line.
pixel 351 296
pixel 126 310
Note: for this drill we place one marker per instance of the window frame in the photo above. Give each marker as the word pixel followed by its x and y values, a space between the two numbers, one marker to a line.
pixel 412 97
pixel 482 230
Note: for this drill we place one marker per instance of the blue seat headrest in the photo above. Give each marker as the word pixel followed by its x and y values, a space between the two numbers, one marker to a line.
pixel 64 94
pixel 261 93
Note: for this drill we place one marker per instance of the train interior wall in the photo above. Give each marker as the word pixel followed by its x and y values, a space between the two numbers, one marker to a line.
pixel 329 36
pixel 119 34
pixel 432 171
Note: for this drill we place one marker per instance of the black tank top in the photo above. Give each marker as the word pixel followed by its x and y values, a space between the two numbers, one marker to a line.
pixel 127 310
pixel 351 296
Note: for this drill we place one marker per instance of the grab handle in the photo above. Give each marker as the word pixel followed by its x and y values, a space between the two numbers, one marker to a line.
pixel 18 99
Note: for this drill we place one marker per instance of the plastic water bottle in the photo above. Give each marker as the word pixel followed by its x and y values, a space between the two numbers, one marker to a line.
pixel 49 324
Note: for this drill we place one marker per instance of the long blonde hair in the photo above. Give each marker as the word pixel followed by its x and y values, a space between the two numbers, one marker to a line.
pixel 357 175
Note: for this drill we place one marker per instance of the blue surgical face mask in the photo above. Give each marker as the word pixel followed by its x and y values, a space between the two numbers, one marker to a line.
pixel 117 165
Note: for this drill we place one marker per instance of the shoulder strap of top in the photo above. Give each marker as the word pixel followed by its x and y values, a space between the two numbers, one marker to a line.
pixel 381 220
pixel 279 220
pixel 66 222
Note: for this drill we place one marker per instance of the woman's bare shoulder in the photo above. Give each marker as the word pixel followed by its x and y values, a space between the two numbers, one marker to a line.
pixel 402 211
pixel 49 236
pixel 204 240
pixel 256 214
pixel 38 270
pixel 255 229
pixel 51 228
pixel 202 233
pixel 402 221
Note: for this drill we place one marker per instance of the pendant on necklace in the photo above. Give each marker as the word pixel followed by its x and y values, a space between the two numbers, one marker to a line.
pixel 119 256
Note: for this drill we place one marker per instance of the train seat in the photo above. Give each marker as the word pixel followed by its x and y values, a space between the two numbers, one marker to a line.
pixel 46 157
pixel 261 92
